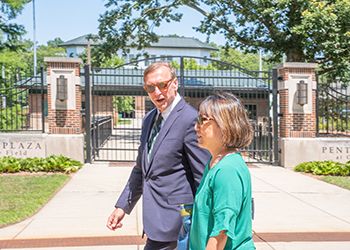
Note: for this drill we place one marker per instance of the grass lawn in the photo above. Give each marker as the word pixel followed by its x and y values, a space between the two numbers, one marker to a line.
pixel 341 181
pixel 23 195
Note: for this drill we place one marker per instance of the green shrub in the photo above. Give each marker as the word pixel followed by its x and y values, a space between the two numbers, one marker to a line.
pixel 324 168
pixel 52 163
pixel 9 164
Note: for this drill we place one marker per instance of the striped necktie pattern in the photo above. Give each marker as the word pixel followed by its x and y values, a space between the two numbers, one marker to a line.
pixel 155 131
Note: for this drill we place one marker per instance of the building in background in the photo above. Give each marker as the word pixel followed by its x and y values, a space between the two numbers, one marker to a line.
pixel 167 47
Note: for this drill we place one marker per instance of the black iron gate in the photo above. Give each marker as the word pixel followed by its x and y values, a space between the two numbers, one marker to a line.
pixel 115 104
pixel 332 108
pixel 22 102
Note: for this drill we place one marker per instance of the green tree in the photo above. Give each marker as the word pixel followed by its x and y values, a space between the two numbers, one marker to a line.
pixel 326 33
pixel 55 42
pixel 302 30
pixel 100 60
pixel 12 60
pixel 247 61
pixel 192 64
pixel 111 62
pixel 16 64
pixel 23 60
pixel 49 50
pixel 123 103
pixel 10 33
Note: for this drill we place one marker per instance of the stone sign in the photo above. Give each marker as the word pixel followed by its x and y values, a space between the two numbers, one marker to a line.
pixel 336 151
pixel 21 146
pixel 298 150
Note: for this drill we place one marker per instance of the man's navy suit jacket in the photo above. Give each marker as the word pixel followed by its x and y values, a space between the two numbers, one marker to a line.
pixel 171 175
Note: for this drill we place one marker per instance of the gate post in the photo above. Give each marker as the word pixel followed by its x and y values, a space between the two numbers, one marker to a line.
pixel 42 99
pixel 275 116
pixel 64 95
pixel 297 100
pixel 88 113
pixel 64 99
pixel 182 76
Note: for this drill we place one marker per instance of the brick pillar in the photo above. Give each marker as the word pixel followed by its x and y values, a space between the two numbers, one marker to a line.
pixel 64 115
pixel 297 120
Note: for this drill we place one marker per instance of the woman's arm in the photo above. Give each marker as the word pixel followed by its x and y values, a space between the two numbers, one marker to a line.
pixel 217 242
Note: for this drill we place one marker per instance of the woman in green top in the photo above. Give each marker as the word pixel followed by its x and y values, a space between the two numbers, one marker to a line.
pixel 223 204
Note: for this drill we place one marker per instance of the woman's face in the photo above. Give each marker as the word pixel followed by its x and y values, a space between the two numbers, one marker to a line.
pixel 208 132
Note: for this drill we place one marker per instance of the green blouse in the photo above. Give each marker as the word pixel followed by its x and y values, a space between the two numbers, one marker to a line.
pixel 224 202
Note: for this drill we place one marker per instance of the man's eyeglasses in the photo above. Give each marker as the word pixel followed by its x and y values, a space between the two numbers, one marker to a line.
pixel 160 85
pixel 201 119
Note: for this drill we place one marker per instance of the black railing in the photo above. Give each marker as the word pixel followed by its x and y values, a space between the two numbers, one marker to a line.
pixel 260 148
pixel 333 110
pixel 101 130
pixel 22 104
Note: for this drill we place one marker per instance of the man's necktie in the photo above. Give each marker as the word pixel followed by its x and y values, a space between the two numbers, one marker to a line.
pixel 155 131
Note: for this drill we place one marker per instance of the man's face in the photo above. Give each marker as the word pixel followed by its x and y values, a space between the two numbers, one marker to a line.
pixel 162 87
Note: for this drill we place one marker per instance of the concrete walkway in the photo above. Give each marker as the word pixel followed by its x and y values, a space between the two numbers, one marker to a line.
pixel 292 212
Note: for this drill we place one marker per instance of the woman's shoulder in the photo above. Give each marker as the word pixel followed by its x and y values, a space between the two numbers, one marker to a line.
pixel 233 159
pixel 230 171
pixel 232 164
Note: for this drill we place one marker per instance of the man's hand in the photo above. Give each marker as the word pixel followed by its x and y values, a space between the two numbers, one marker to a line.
pixel 114 220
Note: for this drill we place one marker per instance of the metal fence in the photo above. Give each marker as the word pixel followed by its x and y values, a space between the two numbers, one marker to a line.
pixel 22 104
pixel 333 109
pixel 101 131
pixel 126 83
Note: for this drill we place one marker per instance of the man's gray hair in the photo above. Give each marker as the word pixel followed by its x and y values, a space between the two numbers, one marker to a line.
pixel 158 65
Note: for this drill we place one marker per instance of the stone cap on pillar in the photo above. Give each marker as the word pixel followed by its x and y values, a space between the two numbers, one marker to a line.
pixel 63 63
pixel 62 60
pixel 297 65
pixel 290 72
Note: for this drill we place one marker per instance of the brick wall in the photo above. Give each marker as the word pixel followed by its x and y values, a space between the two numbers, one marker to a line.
pixel 285 72
pixel 296 124
pixel 102 105
pixel 65 121
pixel 64 65
pixel 65 118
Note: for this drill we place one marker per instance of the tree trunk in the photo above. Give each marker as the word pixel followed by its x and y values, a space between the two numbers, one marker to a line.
pixel 295 55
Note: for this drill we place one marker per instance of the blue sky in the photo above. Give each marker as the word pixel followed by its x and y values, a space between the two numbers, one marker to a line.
pixel 69 19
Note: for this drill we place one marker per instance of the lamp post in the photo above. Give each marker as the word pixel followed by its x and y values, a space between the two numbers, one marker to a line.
pixel 34 38
pixel 260 62
pixel 302 92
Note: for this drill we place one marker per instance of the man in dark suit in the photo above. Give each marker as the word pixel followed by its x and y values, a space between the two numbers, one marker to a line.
pixel 169 164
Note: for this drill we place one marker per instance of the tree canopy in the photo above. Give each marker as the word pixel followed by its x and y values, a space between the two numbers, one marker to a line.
pixel 249 61
pixel 301 30
pixel 10 33
pixel 23 60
